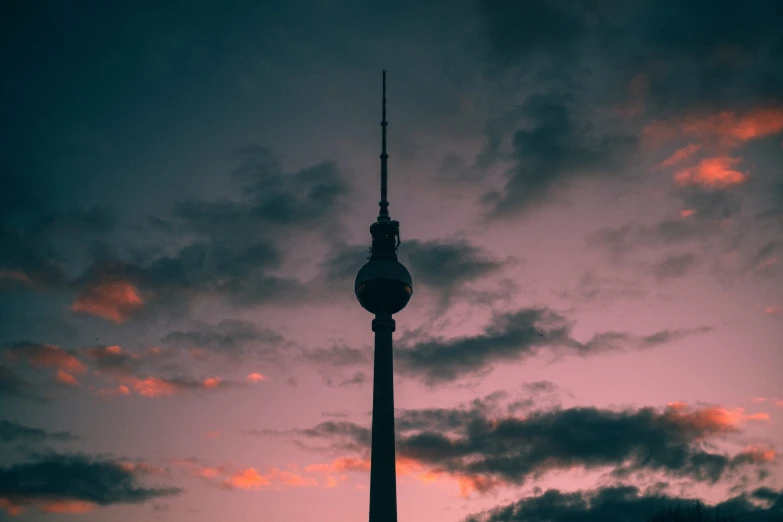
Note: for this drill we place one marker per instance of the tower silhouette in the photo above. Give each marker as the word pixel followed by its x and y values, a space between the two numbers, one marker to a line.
pixel 383 287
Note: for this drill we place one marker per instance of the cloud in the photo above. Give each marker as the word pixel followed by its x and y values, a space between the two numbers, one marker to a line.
pixel 446 265
pixel 113 359
pixel 511 337
pixel 490 445
pixel 338 355
pixel 680 155
pixel 553 148
pixel 618 503
pixel 230 477
pixel 15 386
pixel 717 172
pixel 115 300
pixel 673 267
pixel 727 129
pixel 160 387
pixel 66 378
pixel 60 482
pixel 13 432
pixel 271 197
pixel 229 336
pixel 255 377
pixel 45 355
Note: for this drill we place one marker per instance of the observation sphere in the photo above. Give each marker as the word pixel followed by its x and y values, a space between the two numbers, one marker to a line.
pixel 383 286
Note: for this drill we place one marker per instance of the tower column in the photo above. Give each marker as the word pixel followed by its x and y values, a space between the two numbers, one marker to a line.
pixel 383 478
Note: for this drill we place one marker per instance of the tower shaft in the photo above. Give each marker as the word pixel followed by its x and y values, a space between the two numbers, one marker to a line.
pixel 383 477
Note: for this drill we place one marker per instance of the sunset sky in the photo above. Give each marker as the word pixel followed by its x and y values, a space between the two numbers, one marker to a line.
pixel 591 205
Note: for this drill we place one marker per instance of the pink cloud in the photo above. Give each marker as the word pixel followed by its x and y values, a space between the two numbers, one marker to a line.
pixel 759 454
pixel 161 387
pixel 255 377
pixel 14 276
pixel 113 392
pixel 727 129
pixel 680 155
pixel 773 311
pixel 43 355
pixel 68 506
pixel 66 378
pixel 716 172
pixel 711 419
pixel 113 300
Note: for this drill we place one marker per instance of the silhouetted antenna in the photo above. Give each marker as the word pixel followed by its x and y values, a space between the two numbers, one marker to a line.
pixel 383 215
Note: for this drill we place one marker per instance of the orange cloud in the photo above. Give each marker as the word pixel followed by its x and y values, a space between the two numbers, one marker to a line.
pixel 113 300
pixel 66 378
pixel 680 155
pixel 42 355
pixel 727 128
pixel 10 507
pixel 247 479
pixel 112 392
pixel 758 454
pixel 779 403
pixel 67 506
pixel 160 387
pixel 711 419
pixel 774 311
pixel 51 506
pixel 212 434
pixel 255 377
pixel 14 276
pixel 687 212
pixel 153 387
pixel 212 382
pixel 340 464
pixel 716 172
pixel 250 478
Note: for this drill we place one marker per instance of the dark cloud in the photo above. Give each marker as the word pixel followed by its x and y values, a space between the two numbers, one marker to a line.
pixel 272 200
pixel 62 478
pixel 445 265
pixel 13 385
pixel 674 266
pixel 520 30
pixel 26 261
pixel 230 336
pixel 488 444
pixel 344 261
pixel 605 291
pixel 358 379
pixel 44 355
pixel 553 147
pixel 17 433
pixel 511 337
pixel 338 355
pixel 113 359
pixel 622 503
pixel 722 58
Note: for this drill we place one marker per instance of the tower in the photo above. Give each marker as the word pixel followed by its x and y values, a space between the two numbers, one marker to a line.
pixel 383 287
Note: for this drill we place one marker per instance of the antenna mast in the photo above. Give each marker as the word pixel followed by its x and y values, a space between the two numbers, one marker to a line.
pixel 383 215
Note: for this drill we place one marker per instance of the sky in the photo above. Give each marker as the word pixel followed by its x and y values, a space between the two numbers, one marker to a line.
pixel 590 201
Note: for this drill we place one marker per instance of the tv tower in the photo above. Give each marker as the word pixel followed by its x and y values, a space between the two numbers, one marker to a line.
pixel 383 287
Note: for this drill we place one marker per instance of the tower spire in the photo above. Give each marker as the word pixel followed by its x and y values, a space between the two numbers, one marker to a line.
pixel 383 215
